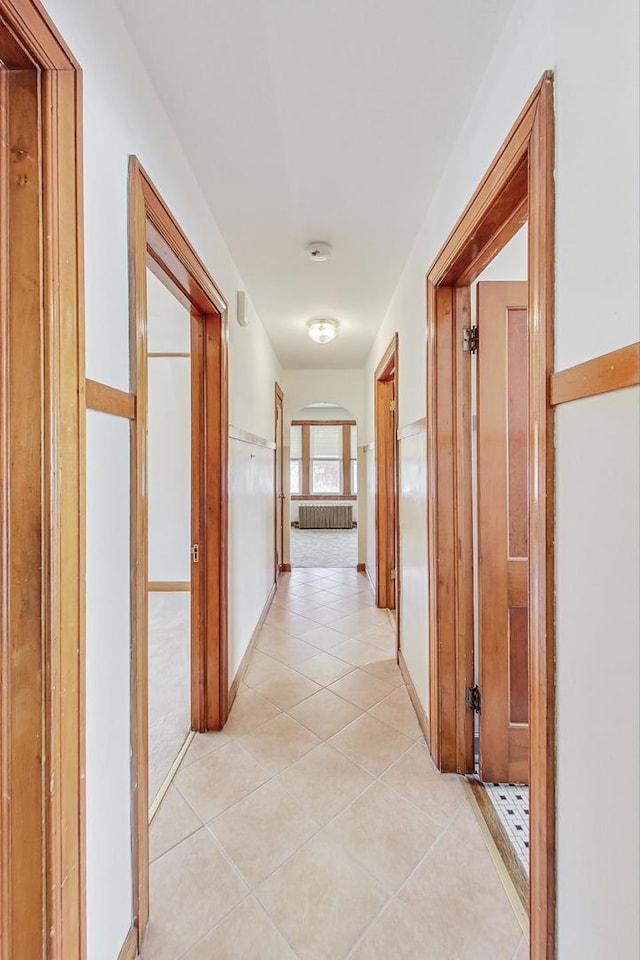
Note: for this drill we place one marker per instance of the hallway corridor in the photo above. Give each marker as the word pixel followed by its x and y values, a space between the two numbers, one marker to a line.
pixel 315 826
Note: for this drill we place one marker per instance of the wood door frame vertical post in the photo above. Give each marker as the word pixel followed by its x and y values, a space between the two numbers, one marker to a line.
pixel 518 186
pixel 386 486
pixel 156 242
pixel 278 401
pixel 53 720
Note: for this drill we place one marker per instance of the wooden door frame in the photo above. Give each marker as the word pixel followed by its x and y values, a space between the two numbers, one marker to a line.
pixel 386 478
pixel 51 731
pixel 278 401
pixel 157 242
pixel 518 186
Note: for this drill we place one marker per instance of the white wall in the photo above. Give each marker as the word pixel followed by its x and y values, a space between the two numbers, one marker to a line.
pixel 123 116
pixel 593 51
pixel 412 560
pixel 251 531
pixel 302 387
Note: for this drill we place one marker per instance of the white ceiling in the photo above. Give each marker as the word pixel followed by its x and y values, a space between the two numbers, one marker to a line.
pixel 317 120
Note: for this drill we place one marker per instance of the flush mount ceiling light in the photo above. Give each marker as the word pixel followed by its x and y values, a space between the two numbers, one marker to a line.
pixel 322 331
pixel 319 250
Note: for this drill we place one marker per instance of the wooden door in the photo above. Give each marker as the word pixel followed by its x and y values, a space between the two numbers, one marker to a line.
pixel 279 480
pixel 385 393
pixel 503 513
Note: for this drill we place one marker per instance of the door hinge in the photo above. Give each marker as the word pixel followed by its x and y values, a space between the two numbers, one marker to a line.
pixel 392 406
pixel 195 552
pixel 392 575
pixel 472 699
pixel 470 339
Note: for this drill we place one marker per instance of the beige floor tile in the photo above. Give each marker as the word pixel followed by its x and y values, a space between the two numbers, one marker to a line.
pixel 324 615
pixel 291 623
pixel 286 649
pixel 219 780
pixel 324 713
pixel 459 897
pixel 287 688
pixel 301 589
pixel 261 831
pixel 356 623
pixel 174 821
pixel 382 638
pixel 358 653
pixel 324 782
pixel 385 834
pixel 415 778
pixel 344 590
pixel 304 606
pixel 262 667
pixel 397 710
pixel 397 935
pixel 202 745
pixel 249 710
pixel 323 583
pixel 246 933
pixel 321 900
pixel 324 669
pixel 387 670
pixel 371 743
pixel 362 688
pixel 191 888
pixel 279 743
pixel 347 607
pixel 324 638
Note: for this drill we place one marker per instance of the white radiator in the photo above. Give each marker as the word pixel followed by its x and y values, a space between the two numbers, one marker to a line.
pixel 337 516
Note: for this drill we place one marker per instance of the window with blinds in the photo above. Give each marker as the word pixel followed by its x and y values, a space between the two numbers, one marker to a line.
pixel 325 453
pixel 323 459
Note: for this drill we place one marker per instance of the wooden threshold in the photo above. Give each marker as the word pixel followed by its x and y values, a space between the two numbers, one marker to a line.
pixel 129 949
pixel 508 855
pixel 610 371
pixel 166 783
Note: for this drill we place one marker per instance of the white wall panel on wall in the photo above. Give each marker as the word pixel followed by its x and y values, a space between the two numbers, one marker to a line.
pixel 414 596
pixel 108 782
pixel 598 626
pixel 169 467
pixel 371 563
pixel 251 542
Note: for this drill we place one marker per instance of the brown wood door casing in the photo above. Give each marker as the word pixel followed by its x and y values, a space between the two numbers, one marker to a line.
pixel 386 496
pixel 157 243
pixel 42 469
pixel 503 518
pixel 279 479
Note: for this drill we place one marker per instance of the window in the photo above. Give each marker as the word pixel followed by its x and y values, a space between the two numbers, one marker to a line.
pixel 295 461
pixel 323 459
pixel 326 453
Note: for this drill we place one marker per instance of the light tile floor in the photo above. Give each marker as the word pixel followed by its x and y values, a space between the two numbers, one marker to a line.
pixel 169 682
pixel 315 826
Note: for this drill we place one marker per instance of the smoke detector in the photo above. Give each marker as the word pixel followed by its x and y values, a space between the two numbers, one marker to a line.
pixel 318 250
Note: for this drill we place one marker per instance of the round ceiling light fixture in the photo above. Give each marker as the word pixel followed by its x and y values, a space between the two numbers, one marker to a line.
pixel 319 250
pixel 323 331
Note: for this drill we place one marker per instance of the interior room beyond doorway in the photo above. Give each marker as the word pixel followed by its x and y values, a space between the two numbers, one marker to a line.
pixel 323 484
